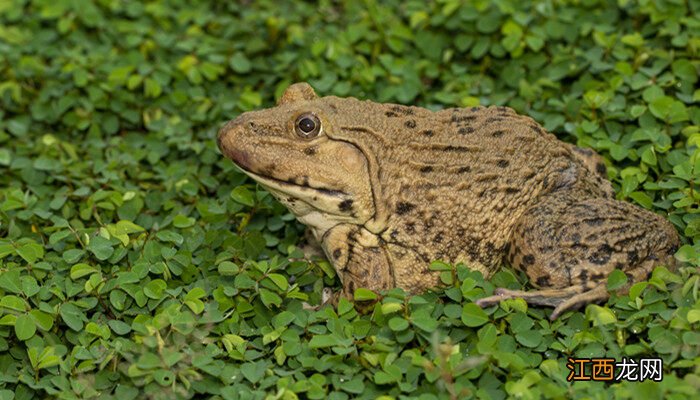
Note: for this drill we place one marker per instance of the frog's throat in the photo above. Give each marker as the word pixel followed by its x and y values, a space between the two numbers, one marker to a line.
pixel 316 207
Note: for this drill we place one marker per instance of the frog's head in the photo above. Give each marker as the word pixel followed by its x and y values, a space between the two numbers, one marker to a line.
pixel 290 150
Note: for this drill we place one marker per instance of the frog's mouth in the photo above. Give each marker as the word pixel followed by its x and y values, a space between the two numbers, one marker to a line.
pixel 290 190
pixel 293 188
pixel 290 186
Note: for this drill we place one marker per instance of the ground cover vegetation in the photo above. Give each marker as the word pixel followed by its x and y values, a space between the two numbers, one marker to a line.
pixel 136 262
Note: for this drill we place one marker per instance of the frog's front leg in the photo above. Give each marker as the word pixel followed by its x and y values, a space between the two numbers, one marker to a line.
pixel 568 247
pixel 359 258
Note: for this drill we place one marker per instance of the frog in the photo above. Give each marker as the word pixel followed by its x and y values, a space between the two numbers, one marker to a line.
pixel 386 189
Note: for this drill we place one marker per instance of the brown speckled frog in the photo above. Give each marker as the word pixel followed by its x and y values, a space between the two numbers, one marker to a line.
pixel 387 188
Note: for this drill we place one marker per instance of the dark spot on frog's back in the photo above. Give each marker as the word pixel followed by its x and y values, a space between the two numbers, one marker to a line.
pixel 525 138
pixel 576 239
pixel 426 169
pixel 464 118
pixel 428 133
pixel 600 168
pixel 410 124
pixel 410 228
pixel 502 163
pixel 402 109
pixel 528 260
pixel 345 205
pixel 537 129
pixel 391 114
pixel 464 169
pixel 498 133
pixel 584 151
pixel 597 221
pixel 530 174
pixel 601 255
pixel 672 249
pixel 310 151
pixel 465 131
pixel 458 149
pixel 404 207
pixel 337 253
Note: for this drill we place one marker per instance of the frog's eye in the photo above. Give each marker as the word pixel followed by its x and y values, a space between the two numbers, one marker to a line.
pixel 307 126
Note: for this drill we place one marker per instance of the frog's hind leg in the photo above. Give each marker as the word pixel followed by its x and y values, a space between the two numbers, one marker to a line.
pixel 572 297
pixel 568 247
pixel 562 300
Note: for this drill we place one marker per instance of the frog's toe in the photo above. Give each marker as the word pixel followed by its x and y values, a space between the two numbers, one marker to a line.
pixel 310 307
pixel 562 300
pixel 490 301
pixel 328 296
pixel 597 294
pixel 501 294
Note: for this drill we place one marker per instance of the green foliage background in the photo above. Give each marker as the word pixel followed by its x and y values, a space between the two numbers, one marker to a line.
pixel 136 262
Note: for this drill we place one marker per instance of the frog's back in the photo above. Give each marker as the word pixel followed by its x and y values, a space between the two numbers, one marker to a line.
pixel 492 145
pixel 458 178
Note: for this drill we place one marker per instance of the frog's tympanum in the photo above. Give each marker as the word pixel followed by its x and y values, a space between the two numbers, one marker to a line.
pixel 387 188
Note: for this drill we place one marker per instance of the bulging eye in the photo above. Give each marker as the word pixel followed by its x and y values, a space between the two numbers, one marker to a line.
pixel 307 126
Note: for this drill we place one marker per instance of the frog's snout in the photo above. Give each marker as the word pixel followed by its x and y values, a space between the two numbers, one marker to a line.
pixel 221 137
pixel 226 139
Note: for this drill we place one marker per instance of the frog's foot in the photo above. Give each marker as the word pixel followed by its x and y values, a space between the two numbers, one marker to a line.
pixel 327 297
pixel 562 300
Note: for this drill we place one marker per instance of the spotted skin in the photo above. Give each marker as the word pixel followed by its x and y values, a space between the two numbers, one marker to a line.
pixel 568 244
pixel 386 189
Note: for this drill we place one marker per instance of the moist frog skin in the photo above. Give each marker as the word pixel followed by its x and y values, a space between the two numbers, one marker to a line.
pixel 387 188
